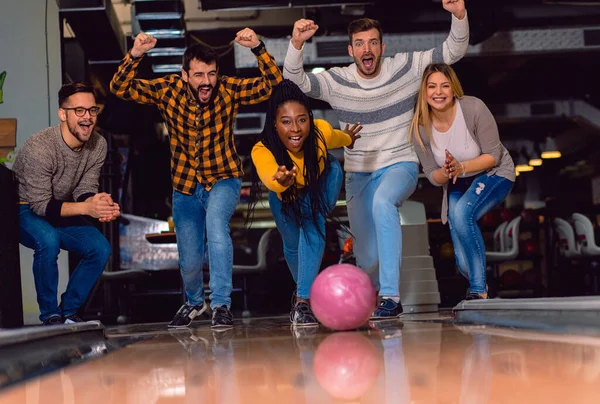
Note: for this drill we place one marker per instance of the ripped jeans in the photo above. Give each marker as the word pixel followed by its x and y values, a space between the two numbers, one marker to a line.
pixel 468 200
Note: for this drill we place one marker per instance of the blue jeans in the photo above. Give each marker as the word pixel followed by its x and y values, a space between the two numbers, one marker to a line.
pixel 204 217
pixel 373 200
pixel 468 200
pixel 303 246
pixel 46 238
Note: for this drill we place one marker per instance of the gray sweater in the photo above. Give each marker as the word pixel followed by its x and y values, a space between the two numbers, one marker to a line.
pixel 482 127
pixel 49 172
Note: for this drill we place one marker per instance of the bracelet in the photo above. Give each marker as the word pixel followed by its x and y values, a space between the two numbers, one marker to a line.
pixel 463 169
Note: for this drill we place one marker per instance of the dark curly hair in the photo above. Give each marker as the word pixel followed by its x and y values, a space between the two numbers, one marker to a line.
pixel 295 206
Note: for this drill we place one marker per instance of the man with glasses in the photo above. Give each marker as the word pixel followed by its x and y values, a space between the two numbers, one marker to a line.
pixel 58 172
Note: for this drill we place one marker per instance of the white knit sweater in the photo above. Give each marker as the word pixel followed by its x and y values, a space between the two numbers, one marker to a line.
pixel 384 104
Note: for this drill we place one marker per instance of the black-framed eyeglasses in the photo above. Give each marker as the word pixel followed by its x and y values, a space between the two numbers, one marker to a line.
pixel 80 111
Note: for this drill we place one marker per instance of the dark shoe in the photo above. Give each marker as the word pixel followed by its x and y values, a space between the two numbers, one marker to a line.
pixel 73 319
pixel 222 317
pixel 294 295
pixel 53 320
pixel 186 314
pixel 387 309
pixel 474 296
pixel 486 291
pixel 302 315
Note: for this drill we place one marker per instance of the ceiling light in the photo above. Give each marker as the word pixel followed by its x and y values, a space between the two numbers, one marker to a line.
pixel 550 149
pixel 523 163
pixel 533 152
pixel 523 168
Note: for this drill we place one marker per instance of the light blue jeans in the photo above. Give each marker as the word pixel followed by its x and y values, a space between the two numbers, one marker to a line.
pixel 46 238
pixel 303 247
pixel 204 217
pixel 373 200
pixel 468 200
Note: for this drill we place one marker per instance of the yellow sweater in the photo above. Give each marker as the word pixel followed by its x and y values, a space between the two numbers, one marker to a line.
pixel 267 166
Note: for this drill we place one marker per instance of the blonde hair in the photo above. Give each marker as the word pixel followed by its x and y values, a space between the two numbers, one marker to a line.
pixel 422 114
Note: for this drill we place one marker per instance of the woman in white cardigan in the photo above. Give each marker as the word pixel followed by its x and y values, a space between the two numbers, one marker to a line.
pixel 458 145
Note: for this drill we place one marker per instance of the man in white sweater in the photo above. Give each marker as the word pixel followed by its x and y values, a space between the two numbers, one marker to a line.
pixel 382 168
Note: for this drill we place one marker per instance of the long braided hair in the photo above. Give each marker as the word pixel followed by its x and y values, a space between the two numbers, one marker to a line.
pixel 295 206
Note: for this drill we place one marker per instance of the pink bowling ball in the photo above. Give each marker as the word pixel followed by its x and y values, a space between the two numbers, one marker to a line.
pixel 342 297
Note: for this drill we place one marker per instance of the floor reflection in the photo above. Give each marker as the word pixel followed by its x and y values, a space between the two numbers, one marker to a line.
pixel 267 361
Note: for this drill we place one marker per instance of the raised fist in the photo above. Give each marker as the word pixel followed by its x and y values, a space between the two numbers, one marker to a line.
pixel 142 44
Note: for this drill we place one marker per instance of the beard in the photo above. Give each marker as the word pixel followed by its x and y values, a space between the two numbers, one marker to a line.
pixel 79 133
pixel 196 92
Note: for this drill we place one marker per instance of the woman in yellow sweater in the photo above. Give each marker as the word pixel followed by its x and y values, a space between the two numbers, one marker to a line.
pixel 304 181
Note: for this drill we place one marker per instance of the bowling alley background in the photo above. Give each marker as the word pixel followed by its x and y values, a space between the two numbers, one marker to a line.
pixel 551 131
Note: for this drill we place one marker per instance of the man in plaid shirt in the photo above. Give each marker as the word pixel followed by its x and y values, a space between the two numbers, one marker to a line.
pixel 199 108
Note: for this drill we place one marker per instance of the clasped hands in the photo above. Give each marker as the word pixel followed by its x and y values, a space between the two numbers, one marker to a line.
pixel 452 167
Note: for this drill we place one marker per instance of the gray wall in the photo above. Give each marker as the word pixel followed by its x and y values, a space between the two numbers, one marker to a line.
pixel 23 57
pixel 25 94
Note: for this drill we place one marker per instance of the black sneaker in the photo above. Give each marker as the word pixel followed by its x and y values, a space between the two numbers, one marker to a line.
pixel 53 320
pixel 222 317
pixel 474 296
pixel 302 315
pixel 73 319
pixel 293 300
pixel 186 314
pixel 387 309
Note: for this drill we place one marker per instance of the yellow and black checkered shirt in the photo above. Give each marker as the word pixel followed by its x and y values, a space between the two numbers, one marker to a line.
pixel 201 135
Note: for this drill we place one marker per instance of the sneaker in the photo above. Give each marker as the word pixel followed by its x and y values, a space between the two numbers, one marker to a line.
pixel 302 315
pixel 293 303
pixel 186 314
pixel 222 317
pixel 387 309
pixel 73 319
pixel 469 292
pixel 474 296
pixel 53 320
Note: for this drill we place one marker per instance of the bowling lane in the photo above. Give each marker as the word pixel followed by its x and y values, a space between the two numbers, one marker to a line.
pixel 265 361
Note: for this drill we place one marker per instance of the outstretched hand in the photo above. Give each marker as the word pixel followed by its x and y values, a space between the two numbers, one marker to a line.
pixel 353 132
pixel 284 176
pixel 247 38
pixel 456 7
